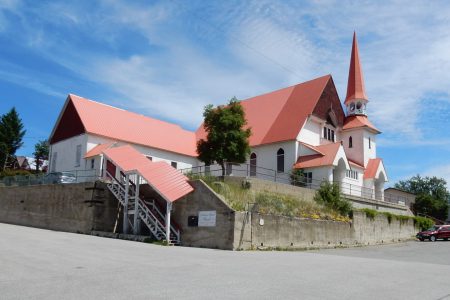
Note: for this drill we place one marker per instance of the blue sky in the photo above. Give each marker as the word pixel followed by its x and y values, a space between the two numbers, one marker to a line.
pixel 168 59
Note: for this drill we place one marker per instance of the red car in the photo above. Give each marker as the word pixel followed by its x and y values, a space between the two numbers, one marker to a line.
pixel 434 233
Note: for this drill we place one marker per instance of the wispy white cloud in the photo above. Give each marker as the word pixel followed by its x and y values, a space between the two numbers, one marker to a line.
pixel 18 76
pixel 257 46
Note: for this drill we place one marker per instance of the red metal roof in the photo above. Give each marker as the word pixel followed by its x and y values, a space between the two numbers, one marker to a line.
pixel 357 121
pixel 118 124
pixel 279 115
pixel 355 86
pixel 97 150
pixel 355 164
pixel 327 157
pixel 311 147
pixel 163 178
pixel 372 167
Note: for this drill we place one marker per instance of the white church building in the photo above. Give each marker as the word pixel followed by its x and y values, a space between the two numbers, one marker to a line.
pixel 299 127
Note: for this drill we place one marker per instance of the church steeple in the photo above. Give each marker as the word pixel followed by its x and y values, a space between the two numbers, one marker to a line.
pixel 356 99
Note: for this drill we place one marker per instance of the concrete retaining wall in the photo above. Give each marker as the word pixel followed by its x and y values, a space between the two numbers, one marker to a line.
pixel 68 207
pixel 60 207
pixel 204 199
pixel 253 230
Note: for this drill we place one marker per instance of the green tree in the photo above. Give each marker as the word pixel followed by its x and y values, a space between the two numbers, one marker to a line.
pixel 297 177
pixel 40 153
pixel 431 193
pixel 11 135
pixel 329 195
pixel 226 140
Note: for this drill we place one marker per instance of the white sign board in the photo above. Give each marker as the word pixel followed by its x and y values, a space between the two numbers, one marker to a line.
pixel 207 218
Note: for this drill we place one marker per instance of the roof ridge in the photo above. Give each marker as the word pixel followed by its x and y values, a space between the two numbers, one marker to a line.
pixel 128 111
pixel 288 87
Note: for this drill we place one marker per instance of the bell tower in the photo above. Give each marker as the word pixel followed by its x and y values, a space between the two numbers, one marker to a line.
pixel 356 99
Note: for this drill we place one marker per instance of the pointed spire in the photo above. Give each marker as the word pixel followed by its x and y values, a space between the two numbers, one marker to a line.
pixel 355 87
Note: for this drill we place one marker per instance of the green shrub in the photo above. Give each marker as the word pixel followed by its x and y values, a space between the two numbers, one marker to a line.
pixel 297 177
pixel 403 219
pixel 8 172
pixel 423 223
pixel 330 196
pixel 389 216
pixel 370 213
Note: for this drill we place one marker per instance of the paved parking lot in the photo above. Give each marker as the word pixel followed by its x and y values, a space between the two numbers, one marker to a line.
pixel 42 264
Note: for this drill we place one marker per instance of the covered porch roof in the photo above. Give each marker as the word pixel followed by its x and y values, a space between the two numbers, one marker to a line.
pixel 327 155
pixel 163 178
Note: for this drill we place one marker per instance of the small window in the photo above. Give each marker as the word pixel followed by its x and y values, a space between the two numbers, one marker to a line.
pixel 78 156
pixel 280 160
pixel 174 164
pixel 54 157
pixel 308 177
pixel 350 142
pixel 150 158
pixel 253 164
pixel 92 163
pixel 351 174
pixel 370 143
pixel 328 134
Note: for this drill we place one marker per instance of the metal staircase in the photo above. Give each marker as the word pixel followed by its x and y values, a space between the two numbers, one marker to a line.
pixel 148 212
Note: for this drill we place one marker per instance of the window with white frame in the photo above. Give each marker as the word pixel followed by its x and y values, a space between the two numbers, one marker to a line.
pixel 351 174
pixel 78 156
pixel 92 163
pixel 54 157
pixel 308 177
pixel 280 160
pixel 329 134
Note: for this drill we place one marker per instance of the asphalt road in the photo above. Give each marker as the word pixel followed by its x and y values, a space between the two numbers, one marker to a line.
pixel 42 264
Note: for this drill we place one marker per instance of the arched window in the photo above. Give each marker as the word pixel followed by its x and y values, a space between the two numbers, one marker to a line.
pixel 253 164
pixel 350 142
pixel 280 160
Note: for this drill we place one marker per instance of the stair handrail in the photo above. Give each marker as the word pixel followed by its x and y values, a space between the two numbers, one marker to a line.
pixel 143 206
pixel 154 219
pixel 175 230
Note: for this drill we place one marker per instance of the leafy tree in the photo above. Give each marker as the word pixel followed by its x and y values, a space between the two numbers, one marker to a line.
pixel 431 193
pixel 11 135
pixel 329 195
pixel 40 153
pixel 226 140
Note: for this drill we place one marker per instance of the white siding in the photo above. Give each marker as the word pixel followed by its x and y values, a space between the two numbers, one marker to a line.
pixel 67 154
pixel 356 153
pixel 372 151
pixel 267 155
pixel 310 133
pixel 183 161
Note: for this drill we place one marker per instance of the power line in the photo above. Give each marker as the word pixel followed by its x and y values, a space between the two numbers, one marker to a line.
pixel 244 44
